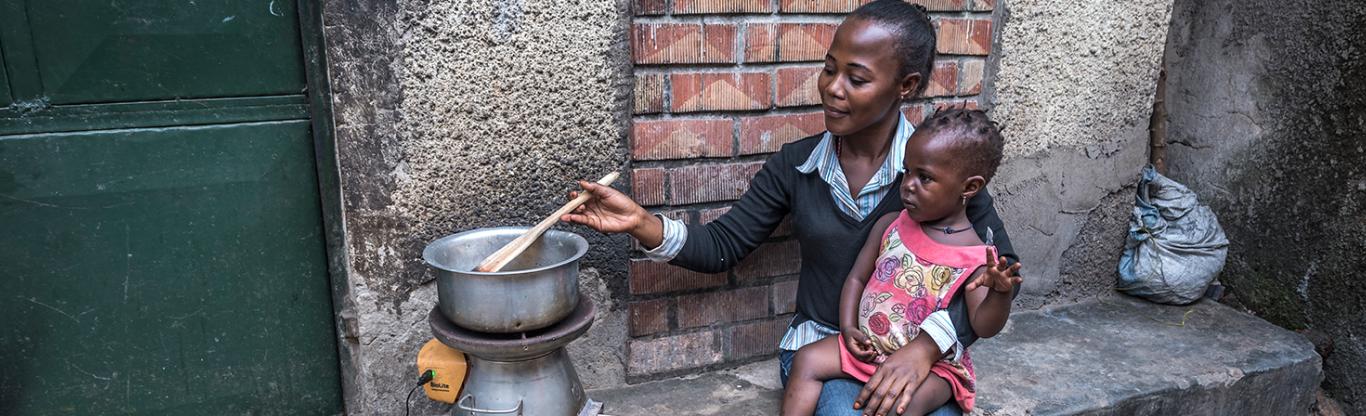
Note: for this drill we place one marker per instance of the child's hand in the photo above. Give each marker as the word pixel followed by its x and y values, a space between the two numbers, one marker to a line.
pixel 997 275
pixel 858 344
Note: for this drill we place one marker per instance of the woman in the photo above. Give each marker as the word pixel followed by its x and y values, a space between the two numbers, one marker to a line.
pixel 834 186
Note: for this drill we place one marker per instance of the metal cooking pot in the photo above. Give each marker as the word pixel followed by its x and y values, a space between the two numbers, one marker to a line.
pixel 537 289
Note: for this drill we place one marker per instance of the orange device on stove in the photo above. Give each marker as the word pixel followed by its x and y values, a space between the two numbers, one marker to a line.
pixel 448 366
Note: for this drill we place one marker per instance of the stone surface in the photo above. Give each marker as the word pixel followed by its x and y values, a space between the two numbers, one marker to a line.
pixel 1073 85
pixel 1116 355
pixel 1123 356
pixel 458 115
pixel 1268 125
pixel 752 389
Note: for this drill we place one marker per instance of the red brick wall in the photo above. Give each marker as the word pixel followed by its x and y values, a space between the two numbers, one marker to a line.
pixel 719 84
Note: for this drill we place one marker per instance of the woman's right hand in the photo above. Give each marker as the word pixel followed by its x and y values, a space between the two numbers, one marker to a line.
pixel 610 211
pixel 889 390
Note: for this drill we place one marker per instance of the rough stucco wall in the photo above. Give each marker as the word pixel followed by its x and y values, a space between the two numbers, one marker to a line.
pixel 1074 88
pixel 361 54
pixel 459 115
pixel 1268 125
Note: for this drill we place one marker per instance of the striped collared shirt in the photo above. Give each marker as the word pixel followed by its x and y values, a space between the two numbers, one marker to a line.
pixel 824 160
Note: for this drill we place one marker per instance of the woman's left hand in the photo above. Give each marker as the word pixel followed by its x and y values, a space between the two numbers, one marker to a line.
pixel 890 389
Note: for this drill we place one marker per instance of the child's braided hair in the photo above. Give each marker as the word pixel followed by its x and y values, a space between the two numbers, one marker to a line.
pixel 915 35
pixel 977 141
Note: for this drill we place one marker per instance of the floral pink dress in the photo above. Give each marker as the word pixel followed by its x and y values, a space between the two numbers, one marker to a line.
pixel 914 277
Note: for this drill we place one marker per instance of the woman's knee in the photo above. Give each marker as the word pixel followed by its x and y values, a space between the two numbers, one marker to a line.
pixel 837 398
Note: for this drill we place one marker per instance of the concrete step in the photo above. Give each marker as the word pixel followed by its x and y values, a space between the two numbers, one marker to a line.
pixel 1124 356
pixel 752 389
pixel 1117 355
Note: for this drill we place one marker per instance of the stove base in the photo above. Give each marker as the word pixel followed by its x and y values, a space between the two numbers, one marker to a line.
pixel 546 385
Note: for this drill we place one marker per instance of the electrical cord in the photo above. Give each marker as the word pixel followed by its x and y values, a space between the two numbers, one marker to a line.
pixel 425 378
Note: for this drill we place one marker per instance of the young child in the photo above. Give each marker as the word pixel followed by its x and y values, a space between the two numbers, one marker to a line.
pixel 912 264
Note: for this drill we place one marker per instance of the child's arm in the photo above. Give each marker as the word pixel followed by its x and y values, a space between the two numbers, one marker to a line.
pixel 989 295
pixel 853 289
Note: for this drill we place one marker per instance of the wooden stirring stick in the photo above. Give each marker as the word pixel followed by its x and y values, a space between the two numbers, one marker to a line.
pixel 499 259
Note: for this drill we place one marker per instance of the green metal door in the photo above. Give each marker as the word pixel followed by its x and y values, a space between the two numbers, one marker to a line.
pixel 162 248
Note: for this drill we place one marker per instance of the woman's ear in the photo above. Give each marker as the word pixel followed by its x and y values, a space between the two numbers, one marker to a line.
pixel 909 85
pixel 972 186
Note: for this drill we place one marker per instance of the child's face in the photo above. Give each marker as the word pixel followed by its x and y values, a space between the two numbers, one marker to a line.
pixel 859 85
pixel 933 186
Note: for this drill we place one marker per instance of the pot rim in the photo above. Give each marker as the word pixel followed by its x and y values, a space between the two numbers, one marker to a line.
pixel 581 246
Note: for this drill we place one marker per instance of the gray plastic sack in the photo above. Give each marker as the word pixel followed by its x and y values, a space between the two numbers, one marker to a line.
pixel 1175 246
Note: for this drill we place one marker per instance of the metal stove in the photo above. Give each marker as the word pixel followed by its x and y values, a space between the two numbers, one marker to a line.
pixel 520 374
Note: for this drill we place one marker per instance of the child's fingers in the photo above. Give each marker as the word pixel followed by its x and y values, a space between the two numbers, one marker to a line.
pixel 991 258
pixel 864 355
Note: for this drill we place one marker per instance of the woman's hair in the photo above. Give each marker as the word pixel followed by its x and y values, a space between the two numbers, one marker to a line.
pixel 975 140
pixel 915 38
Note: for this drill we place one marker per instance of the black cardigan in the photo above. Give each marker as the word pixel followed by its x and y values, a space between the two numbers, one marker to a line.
pixel 830 240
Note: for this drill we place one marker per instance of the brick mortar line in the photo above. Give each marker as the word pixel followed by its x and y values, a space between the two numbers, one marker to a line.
pixel 699 329
pixel 722 326
pixel 723 67
pixel 637 254
pixel 796 18
pixel 738 115
pixel 769 240
pixel 706 206
pixel 740 18
pixel 691 161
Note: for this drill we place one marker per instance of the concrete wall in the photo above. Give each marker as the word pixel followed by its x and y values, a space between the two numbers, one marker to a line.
pixel 1074 87
pixel 1268 125
pixel 458 115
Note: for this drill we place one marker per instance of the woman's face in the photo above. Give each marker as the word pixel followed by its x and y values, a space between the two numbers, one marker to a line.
pixel 859 85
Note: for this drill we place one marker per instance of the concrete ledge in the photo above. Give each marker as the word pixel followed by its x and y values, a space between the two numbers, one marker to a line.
pixel 1124 356
pixel 1113 356
pixel 752 389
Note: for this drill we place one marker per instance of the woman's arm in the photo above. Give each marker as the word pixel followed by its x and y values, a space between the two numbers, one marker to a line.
pixel 719 245
pixel 982 213
pixel 710 248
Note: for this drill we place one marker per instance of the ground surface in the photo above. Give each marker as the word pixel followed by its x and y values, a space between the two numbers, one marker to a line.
pixel 1116 355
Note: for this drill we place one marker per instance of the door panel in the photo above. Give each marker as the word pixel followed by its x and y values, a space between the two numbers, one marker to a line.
pixel 165 271
pixel 5 98
pixel 138 50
